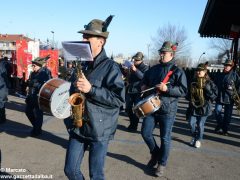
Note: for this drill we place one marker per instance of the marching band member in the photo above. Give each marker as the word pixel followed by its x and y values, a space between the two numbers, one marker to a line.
pixel 36 79
pixel 104 92
pixel 202 93
pixel 3 90
pixel 135 76
pixel 157 76
pixel 228 83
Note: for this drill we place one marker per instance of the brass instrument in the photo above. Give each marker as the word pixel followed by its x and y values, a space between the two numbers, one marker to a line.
pixel 77 101
pixel 197 96
pixel 236 97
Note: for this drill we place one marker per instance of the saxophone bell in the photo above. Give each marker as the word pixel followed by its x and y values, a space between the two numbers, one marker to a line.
pixel 77 101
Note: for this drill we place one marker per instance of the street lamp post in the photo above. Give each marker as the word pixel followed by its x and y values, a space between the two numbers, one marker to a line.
pixel 200 57
pixel 53 39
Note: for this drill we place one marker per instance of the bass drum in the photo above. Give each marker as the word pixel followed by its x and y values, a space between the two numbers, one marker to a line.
pixel 53 98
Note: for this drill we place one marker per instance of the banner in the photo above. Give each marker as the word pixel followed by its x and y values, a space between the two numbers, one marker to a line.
pixel 52 63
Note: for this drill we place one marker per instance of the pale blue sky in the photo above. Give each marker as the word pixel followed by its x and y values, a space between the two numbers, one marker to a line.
pixel 135 21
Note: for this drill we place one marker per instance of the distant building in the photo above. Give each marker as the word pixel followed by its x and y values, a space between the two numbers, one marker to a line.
pixel 215 67
pixel 8 43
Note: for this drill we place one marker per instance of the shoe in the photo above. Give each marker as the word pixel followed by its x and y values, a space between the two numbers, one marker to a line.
pixel 131 128
pixel 153 161
pixel 192 142
pixel 225 133
pixel 160 170
pixel 197 144
pixel 217 130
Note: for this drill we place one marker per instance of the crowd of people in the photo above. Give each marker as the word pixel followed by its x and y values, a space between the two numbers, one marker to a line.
pixel 105 92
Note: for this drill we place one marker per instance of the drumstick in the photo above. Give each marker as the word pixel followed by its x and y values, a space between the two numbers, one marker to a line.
pixel 150 88
pixel 147 89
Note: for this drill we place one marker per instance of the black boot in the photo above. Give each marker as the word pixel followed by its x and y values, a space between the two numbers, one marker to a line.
pixel 154 158
pixel 2 115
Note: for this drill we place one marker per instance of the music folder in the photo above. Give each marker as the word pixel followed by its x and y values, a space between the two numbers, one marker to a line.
pixel 77 51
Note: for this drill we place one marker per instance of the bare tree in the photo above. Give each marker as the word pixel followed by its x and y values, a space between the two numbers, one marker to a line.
pixel 175 34
pixel 222 46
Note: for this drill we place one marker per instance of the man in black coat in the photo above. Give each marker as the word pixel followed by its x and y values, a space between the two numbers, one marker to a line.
pixel 170 83
pixel 103 88
pixel 137 70
pixel 37 78
pixel 228 83
pixel 3 90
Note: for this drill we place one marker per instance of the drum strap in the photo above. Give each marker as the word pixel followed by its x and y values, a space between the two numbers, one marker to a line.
pixel 169 74
pixel 165 80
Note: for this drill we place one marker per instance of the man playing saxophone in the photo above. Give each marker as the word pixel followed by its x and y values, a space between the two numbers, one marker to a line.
pixel 103 88
pixel 228 83
pixel 202 93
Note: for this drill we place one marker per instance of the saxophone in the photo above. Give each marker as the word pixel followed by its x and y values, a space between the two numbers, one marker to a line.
pixel 236 97
pixel 197 96
pixel 77 101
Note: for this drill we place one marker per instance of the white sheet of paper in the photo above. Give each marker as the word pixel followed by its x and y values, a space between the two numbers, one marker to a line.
pixel 128 63
pixel 77 51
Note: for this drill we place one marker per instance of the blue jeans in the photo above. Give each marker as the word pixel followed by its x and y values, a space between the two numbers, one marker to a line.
pixel 223 121
pixel 166 124
pixel 197 126
pixel 74 156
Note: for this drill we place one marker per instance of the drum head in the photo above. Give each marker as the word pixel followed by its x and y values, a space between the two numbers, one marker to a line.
pixel 60 106
pixel 58 103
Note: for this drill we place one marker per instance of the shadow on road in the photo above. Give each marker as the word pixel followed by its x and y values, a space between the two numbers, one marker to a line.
pixel 129 160
pixel 23 131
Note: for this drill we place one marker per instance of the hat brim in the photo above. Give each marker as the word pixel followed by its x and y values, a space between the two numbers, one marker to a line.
pixel 103 34
pixel 36 63
pixel 201 69
pixel 227 64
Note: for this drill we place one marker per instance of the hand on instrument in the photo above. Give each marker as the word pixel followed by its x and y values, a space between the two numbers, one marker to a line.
pixel 162 87
pixel 133 68
pixel 83 84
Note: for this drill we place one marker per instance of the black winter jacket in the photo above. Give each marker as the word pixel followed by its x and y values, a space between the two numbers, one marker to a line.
pixel 225 83
pixel 177 86
pixel 3 84
pixel 104 100
pixel 136 77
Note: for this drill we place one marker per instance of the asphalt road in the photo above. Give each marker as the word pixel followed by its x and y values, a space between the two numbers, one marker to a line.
pixel 43 157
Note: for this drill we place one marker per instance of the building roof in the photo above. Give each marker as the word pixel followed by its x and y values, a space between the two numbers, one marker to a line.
pixel 218 18
pixel 13 37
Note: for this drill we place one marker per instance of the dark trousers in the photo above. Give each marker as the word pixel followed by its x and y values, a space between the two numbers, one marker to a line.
pixel 133 99
pixel 74 157
pixel 2 115
pixel 34 114
pixel 224 121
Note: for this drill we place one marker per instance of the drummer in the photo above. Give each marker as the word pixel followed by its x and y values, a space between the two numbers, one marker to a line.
pixel 36 79
pixel 170 83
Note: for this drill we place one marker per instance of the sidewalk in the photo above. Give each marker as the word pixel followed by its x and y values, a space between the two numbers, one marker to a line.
pixel 43 157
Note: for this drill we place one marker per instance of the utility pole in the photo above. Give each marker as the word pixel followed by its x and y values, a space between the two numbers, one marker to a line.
pixel 52 39
pixel 200 57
